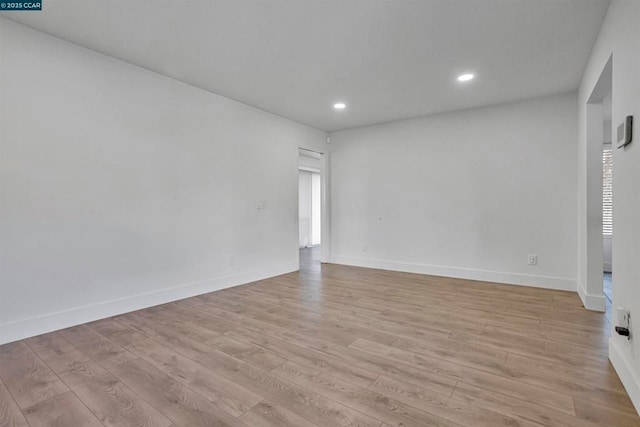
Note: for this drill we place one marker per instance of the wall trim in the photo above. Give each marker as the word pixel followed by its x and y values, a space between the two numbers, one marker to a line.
pixel 625 372
pixel 25 328
pixel 590 301
pixel 558 283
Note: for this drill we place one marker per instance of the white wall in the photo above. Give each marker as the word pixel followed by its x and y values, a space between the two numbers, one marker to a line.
pixel 123 189
pixel 620 37
pixel 465 194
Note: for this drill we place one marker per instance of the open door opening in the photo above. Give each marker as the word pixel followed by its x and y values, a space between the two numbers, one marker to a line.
pixel 595 273
pixel 310 208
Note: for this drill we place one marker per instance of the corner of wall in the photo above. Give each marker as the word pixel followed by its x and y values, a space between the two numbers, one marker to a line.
pixel 590 301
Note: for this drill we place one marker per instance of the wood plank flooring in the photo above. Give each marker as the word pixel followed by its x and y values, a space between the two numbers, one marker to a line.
pixel 328 346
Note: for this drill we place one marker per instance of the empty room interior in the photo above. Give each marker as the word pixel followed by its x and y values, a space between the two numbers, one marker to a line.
pixel 313 213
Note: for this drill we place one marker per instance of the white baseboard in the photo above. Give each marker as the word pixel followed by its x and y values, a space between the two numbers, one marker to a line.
pixel 590 301
pixel 625 371
pixel 24 328
pixel 558 283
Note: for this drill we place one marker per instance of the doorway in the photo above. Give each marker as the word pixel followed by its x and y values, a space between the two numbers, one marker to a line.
pixel 310 208
pixel 595 273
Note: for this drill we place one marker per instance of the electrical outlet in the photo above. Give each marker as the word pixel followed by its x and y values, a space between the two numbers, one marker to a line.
pixel 532 260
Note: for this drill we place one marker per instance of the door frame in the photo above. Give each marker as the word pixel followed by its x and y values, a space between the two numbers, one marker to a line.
pixel 325 200
pixel 591 283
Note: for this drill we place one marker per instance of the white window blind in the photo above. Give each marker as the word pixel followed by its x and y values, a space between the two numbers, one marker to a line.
pixel 607 190
pixel 309 208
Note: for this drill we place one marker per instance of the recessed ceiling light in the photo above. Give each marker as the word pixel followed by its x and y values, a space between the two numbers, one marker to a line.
pixel 465 77
pixel 339 105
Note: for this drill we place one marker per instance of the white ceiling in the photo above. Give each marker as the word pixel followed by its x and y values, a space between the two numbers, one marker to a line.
pixel 387 60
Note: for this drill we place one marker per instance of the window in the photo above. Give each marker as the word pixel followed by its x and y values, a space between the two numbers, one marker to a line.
pixel 607 190
pixel 309 208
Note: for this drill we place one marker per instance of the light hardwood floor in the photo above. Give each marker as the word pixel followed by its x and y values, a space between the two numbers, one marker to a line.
pixel 329 346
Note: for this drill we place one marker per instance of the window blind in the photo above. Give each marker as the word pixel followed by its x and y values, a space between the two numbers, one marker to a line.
pixel 607 191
